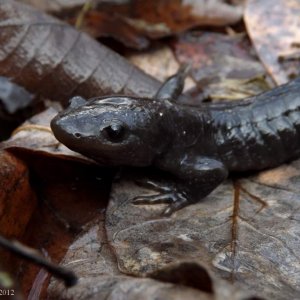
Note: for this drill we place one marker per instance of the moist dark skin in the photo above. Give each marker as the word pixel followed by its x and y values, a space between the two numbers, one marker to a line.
pixel 198 145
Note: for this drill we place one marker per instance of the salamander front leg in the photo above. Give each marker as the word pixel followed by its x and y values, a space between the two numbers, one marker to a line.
pixel 167 193
pixel 195 179
pixel 172 88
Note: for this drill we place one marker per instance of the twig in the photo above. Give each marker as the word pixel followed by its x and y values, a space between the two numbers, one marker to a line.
pixel 86 7
pixel 37 258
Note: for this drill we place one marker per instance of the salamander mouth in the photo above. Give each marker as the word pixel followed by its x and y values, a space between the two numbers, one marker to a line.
pixel 70 140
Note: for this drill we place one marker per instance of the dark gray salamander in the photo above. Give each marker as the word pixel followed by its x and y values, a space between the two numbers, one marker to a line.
pixel 199 145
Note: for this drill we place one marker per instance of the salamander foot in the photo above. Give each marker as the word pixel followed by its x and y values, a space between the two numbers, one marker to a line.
pixel 167 195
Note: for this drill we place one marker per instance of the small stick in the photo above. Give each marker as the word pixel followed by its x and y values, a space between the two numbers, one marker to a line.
pixel 37 258
pixel 86 8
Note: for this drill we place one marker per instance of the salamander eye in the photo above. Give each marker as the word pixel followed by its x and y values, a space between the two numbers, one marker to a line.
pixel 114 132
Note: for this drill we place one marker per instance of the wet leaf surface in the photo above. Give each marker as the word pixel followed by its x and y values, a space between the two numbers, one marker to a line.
pixel 273 27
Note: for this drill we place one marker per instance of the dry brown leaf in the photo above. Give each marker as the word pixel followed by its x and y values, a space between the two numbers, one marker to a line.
pixel 94 262
pixel 248 233
pixel 52 59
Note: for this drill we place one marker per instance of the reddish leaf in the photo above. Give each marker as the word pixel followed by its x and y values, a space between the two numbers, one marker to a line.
pixel 100 24
pixel 17 198
pixel 17 205
pixel 161 18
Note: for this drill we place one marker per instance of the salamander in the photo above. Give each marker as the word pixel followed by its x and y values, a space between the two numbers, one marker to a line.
pixel 199 145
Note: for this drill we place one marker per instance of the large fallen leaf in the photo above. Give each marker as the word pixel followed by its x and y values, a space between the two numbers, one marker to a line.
pixel 274 29
pixel 52 59
pixel 93 260
pixel 248 233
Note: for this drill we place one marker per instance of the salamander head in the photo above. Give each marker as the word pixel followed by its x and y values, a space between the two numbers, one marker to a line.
pixel 113 130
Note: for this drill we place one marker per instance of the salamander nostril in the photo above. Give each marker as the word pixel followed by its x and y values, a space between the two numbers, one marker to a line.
pixel 77 135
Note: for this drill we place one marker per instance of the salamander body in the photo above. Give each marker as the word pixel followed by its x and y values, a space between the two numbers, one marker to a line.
pixel 198 145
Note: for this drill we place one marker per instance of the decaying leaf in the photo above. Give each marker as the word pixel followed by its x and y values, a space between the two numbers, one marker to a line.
pixel 274 29
pixel 247 232
pixel 92 259
pixel 52 59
